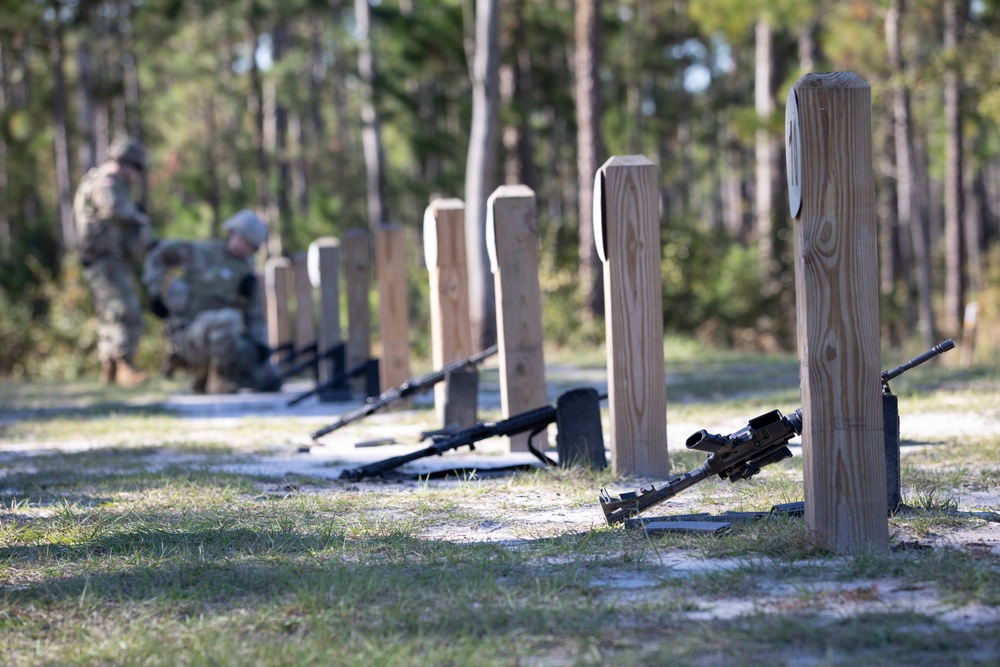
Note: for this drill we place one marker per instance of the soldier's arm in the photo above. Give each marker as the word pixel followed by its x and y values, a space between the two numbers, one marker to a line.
pixel 113 200
pixel 165 256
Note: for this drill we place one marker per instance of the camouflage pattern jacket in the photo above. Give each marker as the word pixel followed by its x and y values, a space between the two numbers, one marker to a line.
pixel 210 278
pixel 108 223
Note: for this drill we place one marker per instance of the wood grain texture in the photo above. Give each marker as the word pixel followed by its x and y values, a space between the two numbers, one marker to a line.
pixel 305 309
pixel 634 316
pixel 836 278
pixel 279 321
pixel 393 306
pixel 325 259
pixel 519 306
pixel 357 276
pixel 448 269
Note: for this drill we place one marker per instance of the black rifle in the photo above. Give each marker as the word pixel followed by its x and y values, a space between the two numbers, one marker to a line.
pixel 740 455
pixel 533 421
pixel 338 380
pixel 312 360
pixel 405 390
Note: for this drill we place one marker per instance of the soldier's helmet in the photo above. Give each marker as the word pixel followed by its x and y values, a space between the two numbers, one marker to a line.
pixel 248 226
pixel 129 151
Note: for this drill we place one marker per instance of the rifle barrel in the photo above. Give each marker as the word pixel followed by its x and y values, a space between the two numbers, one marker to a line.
pixel 938 349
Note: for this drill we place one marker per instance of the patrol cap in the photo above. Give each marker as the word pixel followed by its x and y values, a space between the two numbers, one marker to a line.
pixel 247 225
pixel 129 151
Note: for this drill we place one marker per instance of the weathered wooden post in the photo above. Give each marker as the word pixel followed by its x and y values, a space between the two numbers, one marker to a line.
pixel 279 322
pixel 324 268
pixel 445 256
pixel 831 182
pixel 393 305
pixel 357 275
pixel 305 310
pixel 512 242
pixel 627 231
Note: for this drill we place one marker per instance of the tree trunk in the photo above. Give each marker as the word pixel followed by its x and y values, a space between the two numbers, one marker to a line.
pixel 973 224
pixel 87 153
pixel 371 135
pixel 912 225
pixel 256 104
pixel 6 231
pixel 765 153
pixel 64 186
pixel 954 295
pixel 279 42
pixel 212 167
pixel 480 176
pixel 589 148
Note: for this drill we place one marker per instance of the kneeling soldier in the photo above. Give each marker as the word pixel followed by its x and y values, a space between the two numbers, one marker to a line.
pixel 213 308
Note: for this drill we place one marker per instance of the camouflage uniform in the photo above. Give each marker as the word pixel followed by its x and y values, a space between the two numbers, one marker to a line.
pixel 113 233
pixel 215 321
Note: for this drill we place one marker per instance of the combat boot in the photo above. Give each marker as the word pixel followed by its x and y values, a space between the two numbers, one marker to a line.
pixel 108 372
pixel 127 375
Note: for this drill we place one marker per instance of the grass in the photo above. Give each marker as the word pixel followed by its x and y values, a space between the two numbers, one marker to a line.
pixel 140 550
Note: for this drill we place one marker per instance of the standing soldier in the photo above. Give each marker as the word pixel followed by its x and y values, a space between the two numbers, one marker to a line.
pixel 113 234
pixel 213 307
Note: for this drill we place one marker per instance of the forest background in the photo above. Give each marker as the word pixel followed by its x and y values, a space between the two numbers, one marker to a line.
pixel 327 115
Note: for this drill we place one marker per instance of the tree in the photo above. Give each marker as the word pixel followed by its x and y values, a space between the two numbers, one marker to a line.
pixel 480 168
pixel 589 147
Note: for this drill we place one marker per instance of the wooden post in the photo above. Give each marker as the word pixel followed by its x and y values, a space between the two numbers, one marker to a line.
pixel 324 268
pixel 279 322
pixel 627 232
pixel 447 264
pixel 357 275
pixel 305 310
pixel 393 305
pixel 831 184
pixel 512 243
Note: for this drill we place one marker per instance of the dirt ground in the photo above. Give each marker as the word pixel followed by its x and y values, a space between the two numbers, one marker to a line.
pixel 541 513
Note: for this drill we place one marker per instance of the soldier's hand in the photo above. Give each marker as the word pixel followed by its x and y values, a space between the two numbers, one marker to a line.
pixel 158 307
pixel 263 351
pixel 248 286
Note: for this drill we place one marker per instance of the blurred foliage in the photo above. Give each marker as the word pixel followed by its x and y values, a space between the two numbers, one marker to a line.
pixel 677 85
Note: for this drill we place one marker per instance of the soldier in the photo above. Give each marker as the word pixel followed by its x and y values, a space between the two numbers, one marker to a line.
pixel 213 308
pixel 113 234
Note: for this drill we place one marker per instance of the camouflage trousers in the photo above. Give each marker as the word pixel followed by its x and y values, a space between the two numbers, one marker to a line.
pixel 221 356
pixel 119 311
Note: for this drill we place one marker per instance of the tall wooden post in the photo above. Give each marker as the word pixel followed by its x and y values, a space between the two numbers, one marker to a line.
pixel 627 232
pixel 831 184
pixel 447 264
pixel 393 305
pixel 324 267
pixel 305 310
pixel 512 243
pixel 357 275
pixel 279 322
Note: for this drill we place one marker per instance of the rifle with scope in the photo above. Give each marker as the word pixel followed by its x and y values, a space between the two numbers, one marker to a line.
pixel 740 455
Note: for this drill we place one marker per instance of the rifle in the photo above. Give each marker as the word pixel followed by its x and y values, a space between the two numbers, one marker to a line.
pixel 740 455
pixel 337 381
pixel 312 360
pixel 535 421
pixel 405 390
